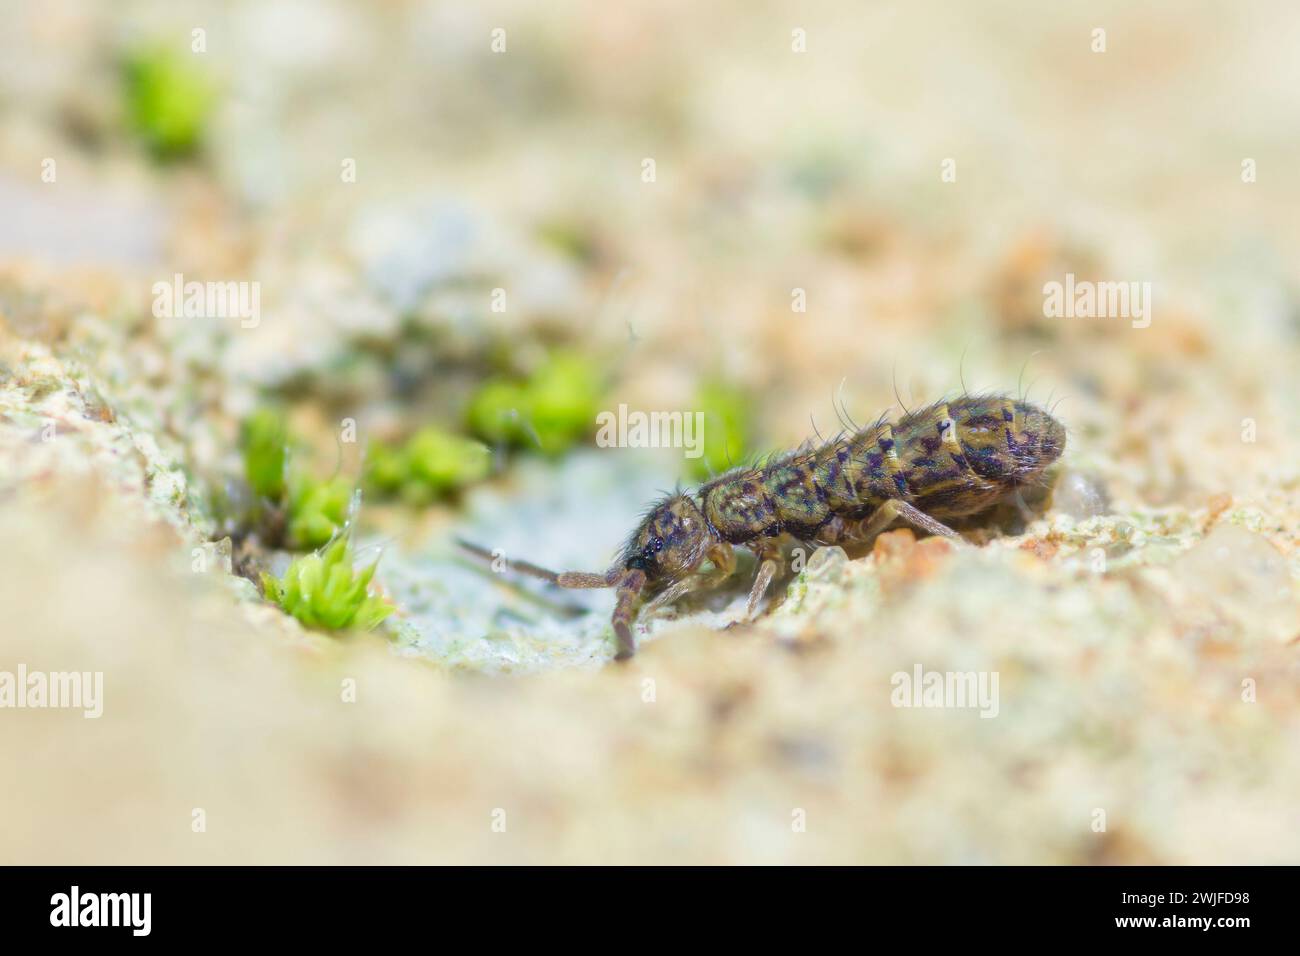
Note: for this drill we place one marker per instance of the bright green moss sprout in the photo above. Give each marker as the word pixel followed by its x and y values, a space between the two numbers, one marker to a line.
pixel 323 590
pixel 168 100
pixel 728 429
pixel 554 409
pixel 265 439
pixel 316 509
pixel 496 412
pixel 433 463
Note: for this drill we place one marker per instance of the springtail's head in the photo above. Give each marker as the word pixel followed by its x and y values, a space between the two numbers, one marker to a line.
pixel 670 542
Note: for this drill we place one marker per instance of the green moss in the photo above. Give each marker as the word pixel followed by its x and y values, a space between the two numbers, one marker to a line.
pixel 264 438
pixel 496 412
pixel 570 238
pixel 443 462
pixel 316 509
pixel 563 400
pixel 169 99
pixel 432 464
pixel 728 428
pixel 386 468
pixel 554 409
pixel 324 590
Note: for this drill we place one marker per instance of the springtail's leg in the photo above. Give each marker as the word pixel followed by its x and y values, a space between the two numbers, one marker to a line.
pixel 629 587
pixel 769 553
pixel 896 508
pixel 724 565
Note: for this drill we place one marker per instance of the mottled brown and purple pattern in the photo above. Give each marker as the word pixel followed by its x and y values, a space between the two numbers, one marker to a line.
pixel 949 461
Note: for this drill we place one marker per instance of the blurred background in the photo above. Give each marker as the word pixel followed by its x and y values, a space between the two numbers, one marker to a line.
pixel 472 228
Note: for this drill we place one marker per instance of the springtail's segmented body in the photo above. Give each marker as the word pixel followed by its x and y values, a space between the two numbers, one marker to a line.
pixel 951 460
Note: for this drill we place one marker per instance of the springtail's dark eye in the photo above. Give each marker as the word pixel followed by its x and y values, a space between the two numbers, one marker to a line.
pixel 658 545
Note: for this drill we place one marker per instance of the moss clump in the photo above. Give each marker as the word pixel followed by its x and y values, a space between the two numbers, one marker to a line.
pixel 317 509
pixel 573 239
pixel 432 464
pixel 387 470
pixel 728 428
pixel 324 591
pixel 302 511
pixel 264 438
pixel 169 99
pixel 496 412
pixel 553 409
pixel 563 401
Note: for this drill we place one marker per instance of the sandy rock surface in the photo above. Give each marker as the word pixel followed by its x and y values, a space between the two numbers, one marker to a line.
pixel 1128 657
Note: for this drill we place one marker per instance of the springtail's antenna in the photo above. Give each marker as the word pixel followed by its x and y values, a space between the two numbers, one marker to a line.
pixel 563 579
pixel 628 582
pixel 527 567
